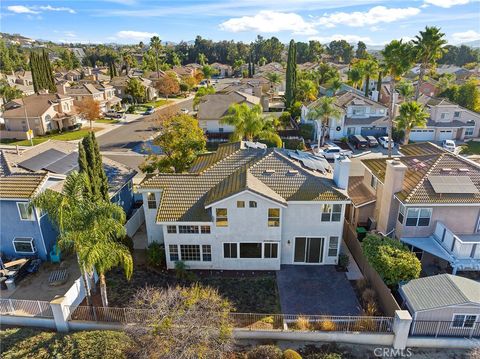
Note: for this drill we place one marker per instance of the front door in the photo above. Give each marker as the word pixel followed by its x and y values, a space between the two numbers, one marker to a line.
pixel 308 250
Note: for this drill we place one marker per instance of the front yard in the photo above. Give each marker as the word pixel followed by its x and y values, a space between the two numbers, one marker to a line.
pixel 157 103
pixel 64 136
pixel 470 148
pixel 248 291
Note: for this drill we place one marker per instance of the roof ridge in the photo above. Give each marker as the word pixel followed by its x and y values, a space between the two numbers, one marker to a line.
pixel 450 279
pixel 425 176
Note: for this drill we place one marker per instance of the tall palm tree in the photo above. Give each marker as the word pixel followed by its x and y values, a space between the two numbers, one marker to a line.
pixel 370 69
pixel 156 45
pixel 429 47
pixel 397 60
pixel 90 229
pixel 275 79
pixel 250 124
pixel 412 114
pixel 406 89
pixel 334 84
pixel 325 110
pixel 306 90
pixel 208 71
pixel 202 59
pixel 354 77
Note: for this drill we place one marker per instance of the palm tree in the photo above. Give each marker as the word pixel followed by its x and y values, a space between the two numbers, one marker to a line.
pixel 428 48
pixel 397 60
pixel 208 71
pixel 156 45
pixel 274 79
pixel 250 124
pixel 412 114
pixel 325 110
pixel 354 77
pixel 370 69
pixel 91 229
pixel 334 84
pixel 306 90
pixel 406 89
pixel 202 59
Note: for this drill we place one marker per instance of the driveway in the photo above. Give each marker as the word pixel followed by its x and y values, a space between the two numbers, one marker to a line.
pixel 309 289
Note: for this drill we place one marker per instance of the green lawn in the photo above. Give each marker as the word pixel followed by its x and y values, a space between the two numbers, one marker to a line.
pixel 65 136
pixel 157 103
pixel 110 121
pixel 471 148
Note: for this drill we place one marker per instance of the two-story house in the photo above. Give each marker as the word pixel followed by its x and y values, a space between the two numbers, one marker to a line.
pixel 359 116
pixel 120 84
pixel 248 207
pixel 23 174
pixel 447 121
pixel 40 113
pixel 102 93
pixel 428 198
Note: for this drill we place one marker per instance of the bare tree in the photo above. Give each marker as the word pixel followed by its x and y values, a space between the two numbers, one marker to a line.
pixel 181 323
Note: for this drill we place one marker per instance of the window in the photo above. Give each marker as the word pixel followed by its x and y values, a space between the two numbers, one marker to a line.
pixel 274 217
pixel 205 229
pixel 374 182
pixel 456 114
pixel 230 250
pixel 418 217
pixel 252 204
pixel 221 219
pixel 464 321
pixel 270 250
pixel 250 250
pixel 469 131
pixel 206 253
pixel 190 252
pixel 331 213
pixel 26 213
pixel 151 200
pixel 240 204
pixel 173 249
pixel 333 247
pixel 171 229
pixel 444 115
pixel 220 129
pixel 187 229
pixel 24 245
pixel 401 213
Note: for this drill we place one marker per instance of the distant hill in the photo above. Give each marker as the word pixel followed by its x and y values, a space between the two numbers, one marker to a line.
pixel 474 43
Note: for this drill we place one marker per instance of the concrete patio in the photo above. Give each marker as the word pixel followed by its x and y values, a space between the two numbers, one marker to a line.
pixel 311 289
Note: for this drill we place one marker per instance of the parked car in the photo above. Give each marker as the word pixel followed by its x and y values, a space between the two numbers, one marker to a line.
pixel 113 114
pixel 332 151
pixel 184 111
pixel 149 111
pixel 372 141
pixel 449 145
pixel 358 141
pixel 384 141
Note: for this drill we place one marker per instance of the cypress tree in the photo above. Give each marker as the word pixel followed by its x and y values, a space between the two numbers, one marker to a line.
pixel 291 75
pixel 90 163
pixel 42 73
pixel 34 72
pixel 102 177
pixel 253 68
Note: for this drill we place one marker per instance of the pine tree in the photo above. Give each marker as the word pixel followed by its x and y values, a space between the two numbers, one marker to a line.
pixel 291 75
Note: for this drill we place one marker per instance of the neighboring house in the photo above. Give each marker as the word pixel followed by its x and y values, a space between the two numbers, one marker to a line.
pixel 102 93
pixel 413 197
pixel 213 107
pixel 120 84
pixel 20 80
pixel 45 112
pixel 27 173
pixel 447 121
pixel 246 207
pixel 459 72
pixel 428 88
pixel 222 69
pixel 185 71
pixel 451 301
pixel 360 116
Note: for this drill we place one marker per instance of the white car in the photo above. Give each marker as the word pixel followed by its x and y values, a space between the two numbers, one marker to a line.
pixel 184 111
pixel 384 142
pixel 332 151
pixel 449 145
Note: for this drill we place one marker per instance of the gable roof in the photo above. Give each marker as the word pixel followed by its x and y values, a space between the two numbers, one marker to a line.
pixel 421 148
pixel 36 105
pixel 22 186
pixel 347 98
pixel 440 291
pixel 232 169
pixel 215 106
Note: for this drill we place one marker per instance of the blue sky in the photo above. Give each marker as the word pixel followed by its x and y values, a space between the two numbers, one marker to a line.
pixel 130 21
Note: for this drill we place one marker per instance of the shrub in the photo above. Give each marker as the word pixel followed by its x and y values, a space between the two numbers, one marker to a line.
pixel 291 354
pixel 391 259
pixel 128 242
pixel 294 144
pixel 368 295
pixel 181 271
pixel 327 325
pixel 371 309
pixel 343 261
pixel 302 323
pixel 361 284
pixel 285 119
pixel 306 131
pixel 265 352
pixel 156 255
pixel 131 109
pixel 332 356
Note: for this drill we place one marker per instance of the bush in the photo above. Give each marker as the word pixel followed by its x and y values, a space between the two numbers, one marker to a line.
pixel 131 109
pixel 291 354
pixel 327 325
pixel 398 135
pixel 181 271
pixel 343 261
pixel 156 255
pixel 294 144
pixel 285 118
pixel 368 295
pixel 128 242
pixel 265 352
pixel 307 131
pixel 302 323
pixel 391 259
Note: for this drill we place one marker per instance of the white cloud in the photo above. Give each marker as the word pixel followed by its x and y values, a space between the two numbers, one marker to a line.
pixel 51 8
pixel 347 38
pixel 466 36
pixel 447 3
pixel 135 35
pixel 20 9
pixel 376 15
pixel 270 22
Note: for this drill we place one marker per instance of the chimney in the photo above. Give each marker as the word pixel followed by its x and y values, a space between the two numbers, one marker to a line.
pixel 394 176
pixel 341 171
pixel 265 103
pixel 62 88
pixel 374 96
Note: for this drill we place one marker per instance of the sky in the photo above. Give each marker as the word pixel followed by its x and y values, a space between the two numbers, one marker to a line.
pixel 374 22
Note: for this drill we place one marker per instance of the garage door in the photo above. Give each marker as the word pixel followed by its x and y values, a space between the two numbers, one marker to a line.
pixel 422 135
pixel 445 135
pixel 373 131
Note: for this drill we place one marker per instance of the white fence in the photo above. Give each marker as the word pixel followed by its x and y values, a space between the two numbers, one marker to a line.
pixel 135 221
pixel 26 308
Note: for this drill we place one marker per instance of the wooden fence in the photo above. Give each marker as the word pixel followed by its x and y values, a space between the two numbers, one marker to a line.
pixel 386 300
pixel 26 308
pixel 443 329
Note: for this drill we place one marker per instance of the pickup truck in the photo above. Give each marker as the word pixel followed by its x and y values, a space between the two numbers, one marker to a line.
pixel 333 151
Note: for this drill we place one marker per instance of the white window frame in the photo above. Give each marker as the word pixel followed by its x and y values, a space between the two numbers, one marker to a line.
pixel 419 209
pixel 271 245
pixel 401 211
pixel 469 129
pixel 331 248
pixel 150 201
pixel 176 250
pixel 32 215
pixel 273 221
pixel 331 212
pixel 24 240
pixel 236 251
pixel 221 218
pixel 444 115
pixel 465 315
pixel 191 250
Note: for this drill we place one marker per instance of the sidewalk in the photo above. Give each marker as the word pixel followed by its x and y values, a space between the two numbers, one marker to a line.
pixel 353 271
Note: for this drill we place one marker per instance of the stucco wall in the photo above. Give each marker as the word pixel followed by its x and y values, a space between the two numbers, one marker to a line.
pixel 446 313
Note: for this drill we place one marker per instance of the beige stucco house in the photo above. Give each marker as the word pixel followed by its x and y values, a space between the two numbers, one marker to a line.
pixel 100 92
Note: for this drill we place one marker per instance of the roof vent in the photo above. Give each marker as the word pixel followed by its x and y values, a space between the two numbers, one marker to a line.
pixel 292 172
pixel 269 172
pixel 463 170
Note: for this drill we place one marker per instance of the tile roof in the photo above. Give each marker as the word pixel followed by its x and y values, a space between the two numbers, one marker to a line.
pixel 21 185
pixel 36 105
pixel 358 192
pixel 440 291
pixel 233 168
pixel 376 121
pixel 421 148
pixel 215 106
pixel 416 186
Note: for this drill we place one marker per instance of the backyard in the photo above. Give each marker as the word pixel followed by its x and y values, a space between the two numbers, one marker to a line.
pixel 65 136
